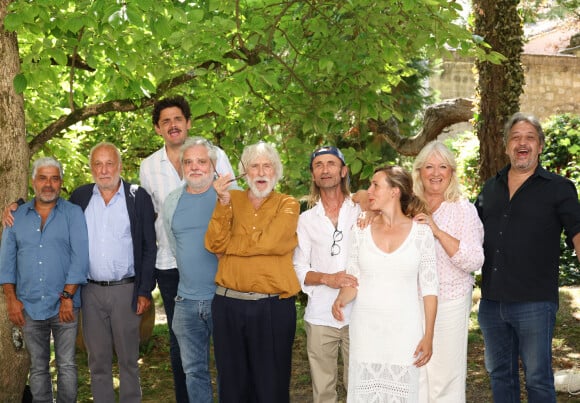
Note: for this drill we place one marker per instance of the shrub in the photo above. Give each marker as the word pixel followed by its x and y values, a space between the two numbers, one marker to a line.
pixel 561 155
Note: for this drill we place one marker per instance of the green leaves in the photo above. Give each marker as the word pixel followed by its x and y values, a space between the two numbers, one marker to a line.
pixel 20 83
pixel 294 73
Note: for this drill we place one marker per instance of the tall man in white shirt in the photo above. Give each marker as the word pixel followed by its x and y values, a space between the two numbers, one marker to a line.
pixel 160 174
pixel 320 263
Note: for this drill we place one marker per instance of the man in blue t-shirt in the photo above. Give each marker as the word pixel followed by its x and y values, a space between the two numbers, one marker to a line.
pixel 186 212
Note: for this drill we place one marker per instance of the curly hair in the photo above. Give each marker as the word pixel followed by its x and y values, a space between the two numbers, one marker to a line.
pixel 176 101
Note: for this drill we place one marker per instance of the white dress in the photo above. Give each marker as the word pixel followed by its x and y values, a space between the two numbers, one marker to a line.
pixel 386 324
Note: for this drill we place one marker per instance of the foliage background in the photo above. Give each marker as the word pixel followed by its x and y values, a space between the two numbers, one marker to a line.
pixel 298 73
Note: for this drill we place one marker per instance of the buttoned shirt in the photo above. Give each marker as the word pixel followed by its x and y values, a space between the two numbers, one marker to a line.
pixel 159 178
pixel 110 240
pixel 522 235
pixel 315 239
pixel 41 260
pixel 460 220
pixel 257 244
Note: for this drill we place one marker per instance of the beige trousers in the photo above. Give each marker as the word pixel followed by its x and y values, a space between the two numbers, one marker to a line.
pixel 323 344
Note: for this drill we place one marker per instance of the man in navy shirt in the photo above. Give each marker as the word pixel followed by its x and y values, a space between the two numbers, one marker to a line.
pixel 43 259
pixel 524 209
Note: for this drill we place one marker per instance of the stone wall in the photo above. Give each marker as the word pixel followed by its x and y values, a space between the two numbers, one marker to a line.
pixel 552 83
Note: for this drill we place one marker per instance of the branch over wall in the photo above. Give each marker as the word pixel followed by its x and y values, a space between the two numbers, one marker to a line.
pixel 436 118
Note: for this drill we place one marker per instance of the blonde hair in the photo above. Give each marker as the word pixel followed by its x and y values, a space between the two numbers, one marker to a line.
pixel 398 177
pixel 453 192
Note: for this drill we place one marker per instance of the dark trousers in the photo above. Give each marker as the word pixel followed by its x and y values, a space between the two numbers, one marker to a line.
pixel 167 281
pixel 253 348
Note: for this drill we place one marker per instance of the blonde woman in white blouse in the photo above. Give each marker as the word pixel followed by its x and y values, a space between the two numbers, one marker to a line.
pixel 459 252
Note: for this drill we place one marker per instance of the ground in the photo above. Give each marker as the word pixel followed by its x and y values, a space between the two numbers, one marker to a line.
pixel 157 381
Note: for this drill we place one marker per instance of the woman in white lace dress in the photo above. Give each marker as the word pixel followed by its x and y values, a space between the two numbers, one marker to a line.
pixel 394 261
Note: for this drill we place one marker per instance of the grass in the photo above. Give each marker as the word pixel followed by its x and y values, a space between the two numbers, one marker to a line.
pixel 157 381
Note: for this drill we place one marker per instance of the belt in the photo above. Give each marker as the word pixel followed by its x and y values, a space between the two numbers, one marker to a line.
pixel 248 296
pixel 125 280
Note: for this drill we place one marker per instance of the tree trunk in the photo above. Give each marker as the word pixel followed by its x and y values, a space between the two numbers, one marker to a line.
pixel 499 85
pixel 14 157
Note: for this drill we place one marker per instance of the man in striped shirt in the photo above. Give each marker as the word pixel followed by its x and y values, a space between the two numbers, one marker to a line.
pixel 160 174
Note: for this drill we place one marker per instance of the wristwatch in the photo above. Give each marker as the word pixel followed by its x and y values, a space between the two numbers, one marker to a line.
pixel 66 295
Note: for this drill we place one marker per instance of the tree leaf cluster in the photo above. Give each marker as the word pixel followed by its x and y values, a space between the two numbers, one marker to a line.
pixel 298 73
pixel 561 154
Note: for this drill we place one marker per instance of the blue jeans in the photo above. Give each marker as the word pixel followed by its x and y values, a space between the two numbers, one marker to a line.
pixel 519 329
pixel 37 338
pixel 192 325
pixel 167 281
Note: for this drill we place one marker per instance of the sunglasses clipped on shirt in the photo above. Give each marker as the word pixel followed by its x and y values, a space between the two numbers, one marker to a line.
pixel 336 237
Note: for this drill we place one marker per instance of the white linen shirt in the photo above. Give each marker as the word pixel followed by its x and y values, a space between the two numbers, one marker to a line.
pixel 159 178
pixel 315 237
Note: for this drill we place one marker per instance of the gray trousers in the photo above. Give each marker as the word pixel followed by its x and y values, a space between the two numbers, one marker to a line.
pixel 110 322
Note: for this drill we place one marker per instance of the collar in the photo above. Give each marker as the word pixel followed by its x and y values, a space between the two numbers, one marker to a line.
pixel 29 205
pixel 319 207
pixel 539 171
pixel 120 191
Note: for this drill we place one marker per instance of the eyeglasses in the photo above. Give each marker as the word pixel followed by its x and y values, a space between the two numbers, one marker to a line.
pixel 336 237
pixel 215 172
pixel 217 175
pixel 243 167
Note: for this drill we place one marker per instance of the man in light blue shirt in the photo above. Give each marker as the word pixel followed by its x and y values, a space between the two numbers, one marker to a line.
pixel 43 260
pixel 122 251
pixel 187 211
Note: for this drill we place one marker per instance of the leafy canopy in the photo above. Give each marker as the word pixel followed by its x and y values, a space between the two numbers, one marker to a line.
pixel 295 73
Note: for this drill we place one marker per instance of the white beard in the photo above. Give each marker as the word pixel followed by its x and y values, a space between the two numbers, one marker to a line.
pixel 260 194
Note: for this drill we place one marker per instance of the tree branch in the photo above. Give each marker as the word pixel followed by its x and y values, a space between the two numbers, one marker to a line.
pixel 123 105
pixel 128 105
pixel 436 118
pixel 118 105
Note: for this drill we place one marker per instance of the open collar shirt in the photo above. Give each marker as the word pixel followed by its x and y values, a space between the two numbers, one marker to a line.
pixel 110 240
pixel 315 238
pixel 159 178
pixel 40 261
pixel 256 244
pixel 522 235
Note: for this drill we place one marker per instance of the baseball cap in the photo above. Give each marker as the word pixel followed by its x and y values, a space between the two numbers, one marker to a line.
pixel 327 150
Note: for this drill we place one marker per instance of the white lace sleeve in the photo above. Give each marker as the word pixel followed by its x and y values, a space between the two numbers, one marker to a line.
pixel 428 281
pixel 352 265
